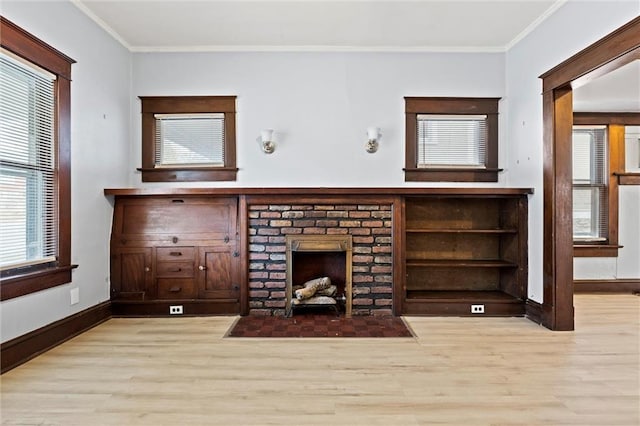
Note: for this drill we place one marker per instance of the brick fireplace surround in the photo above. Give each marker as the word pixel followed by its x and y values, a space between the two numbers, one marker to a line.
pixel 370 226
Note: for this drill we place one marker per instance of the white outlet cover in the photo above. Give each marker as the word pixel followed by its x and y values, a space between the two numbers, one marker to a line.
pixel 75 295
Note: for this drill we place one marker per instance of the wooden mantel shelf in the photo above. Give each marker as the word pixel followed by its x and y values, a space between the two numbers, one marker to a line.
pixel 128 192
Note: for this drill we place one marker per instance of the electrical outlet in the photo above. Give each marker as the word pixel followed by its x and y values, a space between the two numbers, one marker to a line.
pixel 175 310
pixel 477 309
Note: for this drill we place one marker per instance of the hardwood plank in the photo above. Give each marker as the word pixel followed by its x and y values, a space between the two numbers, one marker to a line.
pixel 167 371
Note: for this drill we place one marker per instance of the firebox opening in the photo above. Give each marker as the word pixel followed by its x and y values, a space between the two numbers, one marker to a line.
pixel 310 265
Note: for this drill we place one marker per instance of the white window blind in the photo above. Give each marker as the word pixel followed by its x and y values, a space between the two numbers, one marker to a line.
pixel 452 140
pixel 189 140
pixel 590 183
pixel 28 225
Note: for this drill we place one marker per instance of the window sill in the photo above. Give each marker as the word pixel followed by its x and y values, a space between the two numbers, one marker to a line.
pixel 451 175
pixel 21 285
pixel 595 250
pixel 166 174
pixel 628 178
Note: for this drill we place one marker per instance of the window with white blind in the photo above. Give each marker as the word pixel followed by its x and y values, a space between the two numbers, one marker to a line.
pixel 35 178
pixel 27 164
pixel 451 139
pixel 590 183
pixel 188 138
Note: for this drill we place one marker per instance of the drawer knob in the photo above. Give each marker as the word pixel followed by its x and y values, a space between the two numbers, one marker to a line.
pixel 175 240
pixel 147 269
pixel 175 269
pixel 202 268
pixel 226 239
pixel 175 289
pixel 175 253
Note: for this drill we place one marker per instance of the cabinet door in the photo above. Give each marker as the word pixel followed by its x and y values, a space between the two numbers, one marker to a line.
pixel 218 276
pixel 131 273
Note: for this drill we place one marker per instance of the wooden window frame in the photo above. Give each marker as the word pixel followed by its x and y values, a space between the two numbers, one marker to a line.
pixel 187 105
pixel 615 138
pixel 454 106
pixel 22 281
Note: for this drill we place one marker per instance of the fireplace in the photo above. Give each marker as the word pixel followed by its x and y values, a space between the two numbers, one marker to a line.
pixel 310 257
pixel 368 226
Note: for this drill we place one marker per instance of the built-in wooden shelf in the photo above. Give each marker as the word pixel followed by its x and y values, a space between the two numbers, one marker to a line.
pixel 469 263
pixel 461 231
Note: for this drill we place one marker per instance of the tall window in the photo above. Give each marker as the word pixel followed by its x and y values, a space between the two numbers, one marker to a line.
pixel 451 139
pixel 590 183
pixel 27 164
pixel 188 138
pixel 35 219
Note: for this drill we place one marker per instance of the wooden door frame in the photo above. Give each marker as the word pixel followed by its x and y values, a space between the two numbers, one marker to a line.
pixel 609 53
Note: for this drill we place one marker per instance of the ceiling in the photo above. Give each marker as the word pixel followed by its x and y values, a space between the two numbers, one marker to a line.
pixel 318 25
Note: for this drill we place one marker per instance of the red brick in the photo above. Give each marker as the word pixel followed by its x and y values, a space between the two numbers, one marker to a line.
pixel 337 231
pixel 258 294
pixel 314 231
pixel 381 269
pixel 368 207
pixel 379 289
pixel 382 249
pixel 324 207
pixel 383 259
pixel 349 223
pixel 356 290
pixel 302 207
pixel 260 312
pixel 384 302
pixel 256 304
pixel 277 257
pixel 362 250
pixel 277 275
pixel 362 302
pixel 258 222
pixel 277 240
pixel 270 215
pixel 337 214
pixel 292 215
pixel 361 268
pixel 372 223
pixel 383 240
pixel 362 259
pixel 256 284
pixel 276 249
pixel 258 207
pixel 275 284
pixel 254 215
pixel 268 231
pixel 360 231
pixel 315 213
pixel 381 231
pixel 382 312
pixel 304 222
pixel 383 278
pixel 362 279
pixel 359 214
pixel 278 295
pixel 326 223
pixel 258 256
pixel 275 303
pixel 257 247
pixel 256 275
pixel 381 215
pixel 279 207
pixel 276 266
pixel 289 231
pixel 258 239
pixel 363 240
pixel 280 223
pixel 256 265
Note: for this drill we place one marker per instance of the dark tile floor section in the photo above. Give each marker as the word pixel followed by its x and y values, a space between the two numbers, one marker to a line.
pixel 315 325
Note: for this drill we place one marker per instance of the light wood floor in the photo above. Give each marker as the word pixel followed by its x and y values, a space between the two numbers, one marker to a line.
pixel 459 371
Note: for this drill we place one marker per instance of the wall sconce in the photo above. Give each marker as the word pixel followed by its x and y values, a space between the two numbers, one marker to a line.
pixel 268 145
pixel 372 144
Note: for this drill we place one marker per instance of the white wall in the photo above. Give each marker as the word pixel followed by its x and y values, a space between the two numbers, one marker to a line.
pixel 100 115
pixel 574 26
pixel 320 105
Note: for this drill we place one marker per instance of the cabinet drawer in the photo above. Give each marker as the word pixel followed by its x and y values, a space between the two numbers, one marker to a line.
pixel 170 254
pixel 176 288
pixel 175 269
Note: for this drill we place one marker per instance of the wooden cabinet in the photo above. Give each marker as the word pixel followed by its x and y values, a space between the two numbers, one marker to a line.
pixel 175 251
pixel 460 251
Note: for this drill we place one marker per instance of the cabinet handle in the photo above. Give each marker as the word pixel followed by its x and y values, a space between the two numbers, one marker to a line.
pixel 202 268
pixel 175 289
pixel 174 239
pixel 226 239
pixel 175 269
pixel 177 201
pixel 175 253
pixel 236 254
pixel 147 269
